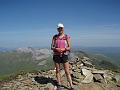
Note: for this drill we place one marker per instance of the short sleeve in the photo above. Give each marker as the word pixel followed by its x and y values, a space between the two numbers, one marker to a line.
pixel 54 37
pixel 68 37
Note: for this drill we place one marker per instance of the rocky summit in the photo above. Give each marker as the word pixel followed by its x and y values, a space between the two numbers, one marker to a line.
pixel 84 74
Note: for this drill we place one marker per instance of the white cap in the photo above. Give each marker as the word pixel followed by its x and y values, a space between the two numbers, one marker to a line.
pixel 60 25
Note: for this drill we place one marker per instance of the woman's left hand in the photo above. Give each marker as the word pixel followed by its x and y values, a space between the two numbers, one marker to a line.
pixel 62 49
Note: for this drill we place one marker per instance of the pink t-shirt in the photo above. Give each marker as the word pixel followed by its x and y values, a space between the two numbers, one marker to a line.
pixel 61 42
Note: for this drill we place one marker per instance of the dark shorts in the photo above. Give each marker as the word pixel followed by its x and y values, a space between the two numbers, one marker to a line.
pixel 60 59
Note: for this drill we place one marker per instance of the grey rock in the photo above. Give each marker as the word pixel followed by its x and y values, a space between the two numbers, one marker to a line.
pixel 88 64
pixel 77 75
pixel 97 77
pixel 88 68
pixel 62 72
pixel 116 78
pixel 49 86
pixel 86 58
pixel 118 84
pixel 86 72
pixel 76 80
pixel 88 76
pixel 88 79
pixel 98 71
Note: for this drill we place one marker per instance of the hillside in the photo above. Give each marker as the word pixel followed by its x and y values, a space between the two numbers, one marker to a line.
pixel 14 62
pixel 86 75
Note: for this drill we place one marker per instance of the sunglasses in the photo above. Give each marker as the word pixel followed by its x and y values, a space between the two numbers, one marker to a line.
pixel 60 28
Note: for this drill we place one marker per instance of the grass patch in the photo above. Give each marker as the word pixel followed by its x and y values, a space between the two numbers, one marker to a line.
pixel 12 63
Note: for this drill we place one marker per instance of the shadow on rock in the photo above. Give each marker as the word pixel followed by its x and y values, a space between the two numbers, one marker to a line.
pixel 45 80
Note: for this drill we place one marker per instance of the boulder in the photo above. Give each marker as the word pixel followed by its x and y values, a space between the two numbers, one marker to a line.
pixel 50 86
pixel 76 75
pixel 88 68
pixel 85 58
pixel 88 64
pixel 97 77
pixel 75 83
pixel 118 84
pixel 88 74
pixel 81 64
pixel 27 82
pixel 62 72
pixel 116 78
pixel 76 80
pixel 98 71
pixel 88 78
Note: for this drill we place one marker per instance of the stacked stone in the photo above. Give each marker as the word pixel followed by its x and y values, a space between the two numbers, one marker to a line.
pixel 82 72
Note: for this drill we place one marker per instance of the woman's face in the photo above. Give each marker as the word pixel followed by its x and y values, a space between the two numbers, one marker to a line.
pixel 60 30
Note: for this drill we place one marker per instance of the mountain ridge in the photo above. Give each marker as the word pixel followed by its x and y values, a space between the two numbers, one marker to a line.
pixel 95 79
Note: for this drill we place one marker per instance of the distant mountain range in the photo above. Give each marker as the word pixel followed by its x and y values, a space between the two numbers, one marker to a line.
pixel 2 49
pixel 113 53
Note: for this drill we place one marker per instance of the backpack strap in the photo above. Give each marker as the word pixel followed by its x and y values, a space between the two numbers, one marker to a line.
pixel 66 37
pixel 55 36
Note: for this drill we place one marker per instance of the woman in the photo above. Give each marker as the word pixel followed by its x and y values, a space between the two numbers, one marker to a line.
pixel 60 46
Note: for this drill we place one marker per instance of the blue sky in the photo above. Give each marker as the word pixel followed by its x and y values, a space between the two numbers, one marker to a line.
pixel 32 23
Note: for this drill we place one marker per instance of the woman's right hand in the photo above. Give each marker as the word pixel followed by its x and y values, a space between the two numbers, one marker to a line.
pixel 58 50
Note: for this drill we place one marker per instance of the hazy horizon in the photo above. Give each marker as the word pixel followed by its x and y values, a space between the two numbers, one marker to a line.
pixel 90 23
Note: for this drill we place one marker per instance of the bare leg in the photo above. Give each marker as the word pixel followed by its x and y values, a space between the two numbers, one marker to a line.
pixel 57 65
pixel 67 72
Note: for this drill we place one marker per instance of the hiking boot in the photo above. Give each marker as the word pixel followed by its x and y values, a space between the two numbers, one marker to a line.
pixel 58 87
pixel 71 88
